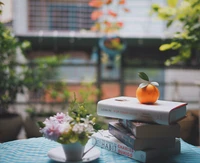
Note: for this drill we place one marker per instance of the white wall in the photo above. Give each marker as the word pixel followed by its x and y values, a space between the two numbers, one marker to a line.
pixel 183 93
pixel 20 16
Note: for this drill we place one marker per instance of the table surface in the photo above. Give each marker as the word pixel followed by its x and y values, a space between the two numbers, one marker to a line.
pixel 34 150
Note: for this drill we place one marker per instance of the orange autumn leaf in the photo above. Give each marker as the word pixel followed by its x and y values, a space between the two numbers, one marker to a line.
pixel 107 23
pixel 119 24
pixel 126 9
pixel 108 2
pixel 96 14
pixel 96 3
pixel 122 2
pixel 114 14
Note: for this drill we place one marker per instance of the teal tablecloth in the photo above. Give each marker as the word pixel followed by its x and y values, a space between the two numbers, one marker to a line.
pixel 35 150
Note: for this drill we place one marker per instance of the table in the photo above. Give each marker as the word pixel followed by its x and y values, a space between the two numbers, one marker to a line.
pixel 34 150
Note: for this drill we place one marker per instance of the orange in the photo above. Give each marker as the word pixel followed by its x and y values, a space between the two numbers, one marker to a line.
pixel 148 94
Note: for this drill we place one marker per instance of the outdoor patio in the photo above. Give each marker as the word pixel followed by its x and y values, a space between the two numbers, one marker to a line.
pixel 95 50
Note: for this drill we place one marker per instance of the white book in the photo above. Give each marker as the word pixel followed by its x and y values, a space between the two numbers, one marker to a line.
pixel 107 141
pixel 123 107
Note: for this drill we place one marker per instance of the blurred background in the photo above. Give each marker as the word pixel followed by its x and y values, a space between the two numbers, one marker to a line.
pixel 65 56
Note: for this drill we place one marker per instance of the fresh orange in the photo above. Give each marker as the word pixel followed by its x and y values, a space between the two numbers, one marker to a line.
pixel 147 92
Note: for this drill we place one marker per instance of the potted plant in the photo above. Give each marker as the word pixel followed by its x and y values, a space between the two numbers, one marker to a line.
pixel 186 38
pixel 12 82
pixel 17 77
pixel 112 46
pixel 60 99
pixel 71 129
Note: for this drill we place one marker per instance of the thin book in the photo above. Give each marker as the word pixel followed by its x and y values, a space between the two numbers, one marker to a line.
pixel 126 137
pixel 123 107
pixel 151 130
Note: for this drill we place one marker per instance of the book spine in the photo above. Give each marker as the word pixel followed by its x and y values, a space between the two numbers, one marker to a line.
pixel 128 124
pixel 122 135
pixel 107 141
pixel 119 148
pixel 144 130
pixel 133 114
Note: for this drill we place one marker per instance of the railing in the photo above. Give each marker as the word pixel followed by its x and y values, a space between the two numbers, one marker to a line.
pixel 178 89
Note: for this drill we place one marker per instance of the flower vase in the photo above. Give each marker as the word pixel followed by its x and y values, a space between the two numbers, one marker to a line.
pixel 73 151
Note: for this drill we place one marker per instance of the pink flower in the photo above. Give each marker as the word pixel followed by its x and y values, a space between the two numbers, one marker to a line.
pixel 60 117
pixel 51 130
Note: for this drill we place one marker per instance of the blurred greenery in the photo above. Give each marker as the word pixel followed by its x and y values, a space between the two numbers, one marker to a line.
pixel 17 73
pixel 187 39
pixel 12 73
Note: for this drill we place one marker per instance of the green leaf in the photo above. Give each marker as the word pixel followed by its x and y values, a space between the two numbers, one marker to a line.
pixel 97 127
pixel 155 7
pixel 40 124
pixel 165 47
pixel 172 3
pixel 143 76
pixel 175 45
pixel 169 23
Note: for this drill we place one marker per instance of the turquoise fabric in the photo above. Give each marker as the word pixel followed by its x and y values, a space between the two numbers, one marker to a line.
pixel 35 150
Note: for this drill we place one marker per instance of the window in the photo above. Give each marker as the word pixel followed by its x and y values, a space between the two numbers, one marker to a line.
pixel 59 15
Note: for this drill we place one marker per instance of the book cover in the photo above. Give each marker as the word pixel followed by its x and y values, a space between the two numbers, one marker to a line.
pixel 126 137
pixel 123 107
pixel 107 141
pixel 151 130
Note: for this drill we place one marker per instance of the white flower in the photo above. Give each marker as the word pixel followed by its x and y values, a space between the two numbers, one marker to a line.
pixel 64 128
pixel 89 128
pixel 78 128
pixel 68 118
pixel 60 126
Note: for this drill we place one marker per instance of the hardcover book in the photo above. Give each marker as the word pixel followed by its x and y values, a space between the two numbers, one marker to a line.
pixel 126 137
pixel 151 130
pixel 123 107
pixel 107 141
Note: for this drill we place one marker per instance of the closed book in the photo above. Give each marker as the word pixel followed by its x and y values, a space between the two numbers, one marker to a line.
pixel 107 141
pixel 126 137
pixel 123 107
pixel 151 130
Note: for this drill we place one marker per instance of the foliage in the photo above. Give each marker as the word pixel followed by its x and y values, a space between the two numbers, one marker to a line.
pixel 76 125
pixel 144 76
pixel 106 16
pixel 185 12
pixel 11 73
pixel 41 69
pixel 57 91
pixel 17 76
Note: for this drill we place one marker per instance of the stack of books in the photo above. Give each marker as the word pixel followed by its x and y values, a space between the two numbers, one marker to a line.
pixel 142 132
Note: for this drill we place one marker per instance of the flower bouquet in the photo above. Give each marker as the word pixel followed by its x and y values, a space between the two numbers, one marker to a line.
pixel 72 129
